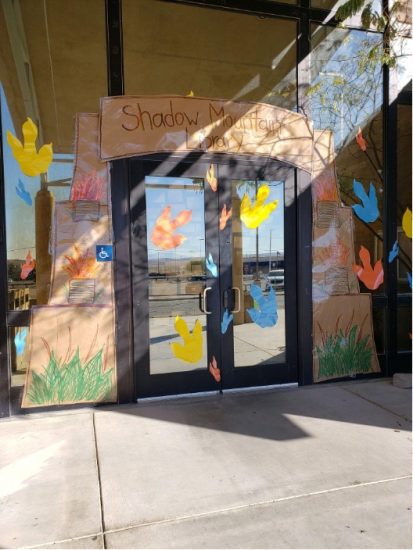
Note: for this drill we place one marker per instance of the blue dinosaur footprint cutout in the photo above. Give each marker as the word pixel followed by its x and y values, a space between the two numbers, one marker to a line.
pixel 20 340
pixel 394 252
pixel 226 320
pixel 23 193
pixel 265 313
pixel 367 211
pixel 211 265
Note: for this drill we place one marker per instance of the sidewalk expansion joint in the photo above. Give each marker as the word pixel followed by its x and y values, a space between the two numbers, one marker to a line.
pixel 220 511
pixel 258 504
pixel 101 513
pixel 377 404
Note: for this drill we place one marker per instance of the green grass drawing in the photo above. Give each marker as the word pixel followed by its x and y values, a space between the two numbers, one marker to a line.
pixel 344 353
pixel 70 381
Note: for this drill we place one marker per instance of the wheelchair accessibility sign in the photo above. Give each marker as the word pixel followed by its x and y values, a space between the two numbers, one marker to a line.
pixel 104 252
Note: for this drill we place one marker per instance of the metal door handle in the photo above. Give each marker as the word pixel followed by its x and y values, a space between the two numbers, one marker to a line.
pixel 203 300
pixel 237 291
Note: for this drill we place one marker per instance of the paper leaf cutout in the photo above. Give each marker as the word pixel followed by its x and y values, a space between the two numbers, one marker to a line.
pixel 371 277
pixel 361 142
pixel 224 217
pixel 394 252
pixel 163 232
pixel 31 162
pixel 211 179
pixel 407 222
pixel 226 320
pixel 369 212
pixel 211 266
pixel 214 370
pixel 409 279
pixel 264 313
pixel 191 350
pixel 23 193
pixel 254 214
pixel 20 340
pixel 28 266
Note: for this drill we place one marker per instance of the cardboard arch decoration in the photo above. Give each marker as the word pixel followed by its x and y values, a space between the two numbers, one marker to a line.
pixel 129 126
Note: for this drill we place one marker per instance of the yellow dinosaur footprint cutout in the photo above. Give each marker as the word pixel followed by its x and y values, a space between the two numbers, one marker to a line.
pixel 191 350
pixel 254 215
pixel 31 162
pixel 407 222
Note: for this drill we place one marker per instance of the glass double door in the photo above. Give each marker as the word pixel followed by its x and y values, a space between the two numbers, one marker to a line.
pixel 213 270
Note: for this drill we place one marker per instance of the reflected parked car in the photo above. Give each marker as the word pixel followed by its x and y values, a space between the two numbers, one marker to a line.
pixel 274 279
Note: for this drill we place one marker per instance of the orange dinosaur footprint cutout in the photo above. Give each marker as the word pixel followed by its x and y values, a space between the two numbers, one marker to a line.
pixel 28 266
pixel 224 217
pixel 31 162
pixel 163 233
pixel 361 142
pixel 371 277
pixel 214 371
pixel 211 179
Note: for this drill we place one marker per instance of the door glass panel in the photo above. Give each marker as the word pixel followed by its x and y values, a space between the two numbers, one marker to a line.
pixel 258 271
pixel 176 268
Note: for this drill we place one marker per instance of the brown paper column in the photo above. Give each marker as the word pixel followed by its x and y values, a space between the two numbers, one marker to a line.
pixel 43 218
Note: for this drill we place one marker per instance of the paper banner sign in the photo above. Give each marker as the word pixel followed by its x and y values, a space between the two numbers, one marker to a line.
pixel 211 266
pixel 264 313
pixel 371 277
pixel 214 370
pixel 407 222
pixel 368 211
pixel 23 193
pixel 163 233
pixel 254 214
pixel 226 321
pixel 191 350
pixel 31 162
pixel 394 252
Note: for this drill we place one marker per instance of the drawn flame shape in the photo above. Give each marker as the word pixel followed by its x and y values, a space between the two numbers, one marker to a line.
pixel 371 277
pixel 28 266
pixel 80 266
pixel 211 179
pixel 224 217
pixel 254 215
pixel 31 162
pixel 407 222
pixel 361 142
pixel 162 234
pixel 214 370
pixel 191 350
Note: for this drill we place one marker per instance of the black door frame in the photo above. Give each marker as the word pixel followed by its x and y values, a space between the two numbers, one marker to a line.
pixel 123 173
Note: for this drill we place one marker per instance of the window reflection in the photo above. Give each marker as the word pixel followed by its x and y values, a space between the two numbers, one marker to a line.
pixel 345 96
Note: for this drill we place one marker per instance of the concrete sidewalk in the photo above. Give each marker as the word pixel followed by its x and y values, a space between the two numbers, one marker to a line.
pixel 315 467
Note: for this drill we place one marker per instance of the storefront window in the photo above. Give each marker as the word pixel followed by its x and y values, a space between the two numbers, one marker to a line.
pixel 52 65
pixel 173 49
pixel 345 96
